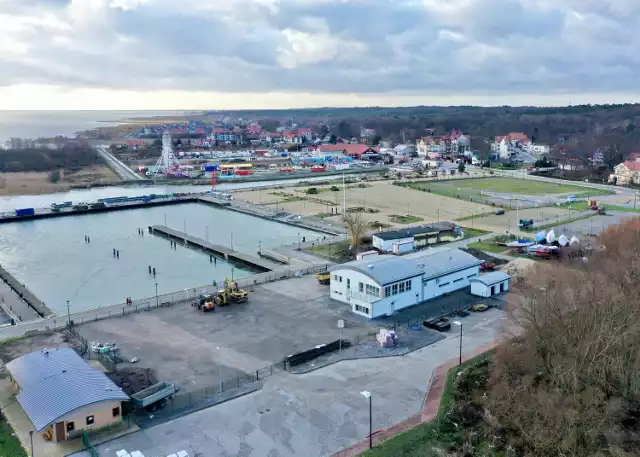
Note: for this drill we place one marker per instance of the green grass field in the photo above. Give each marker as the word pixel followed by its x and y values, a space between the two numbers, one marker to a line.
pixel 487 246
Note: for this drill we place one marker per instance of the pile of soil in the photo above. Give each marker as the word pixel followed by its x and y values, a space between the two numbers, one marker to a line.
pixel 133 379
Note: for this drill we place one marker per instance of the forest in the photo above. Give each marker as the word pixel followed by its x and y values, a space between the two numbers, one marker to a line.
pixel 70 156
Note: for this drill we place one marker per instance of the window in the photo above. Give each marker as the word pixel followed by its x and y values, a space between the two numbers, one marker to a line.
pixel 394 289
pixel 360 287
pixel 71 426
pixel 116 411
pixel 340 278
pixel 348 283
pixel 458 280
pixel 408 285
pixel 90 420
pixel 401 287
pixel 387 291
pixel 335 277
pixel 444 284
pixel 471 276
pixel 362 309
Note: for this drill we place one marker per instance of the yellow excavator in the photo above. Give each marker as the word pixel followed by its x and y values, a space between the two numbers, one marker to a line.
pixel 230 294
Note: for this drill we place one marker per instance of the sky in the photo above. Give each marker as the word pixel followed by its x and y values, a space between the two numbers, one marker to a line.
pixel 240 54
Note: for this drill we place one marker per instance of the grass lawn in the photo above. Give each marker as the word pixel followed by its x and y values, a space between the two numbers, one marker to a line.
pixel 465 188
pixel 472 232
pixel 427 440
pixel 487 246
pixel 582 206
pixel 9 444
pixel 336 252
pixel 399 219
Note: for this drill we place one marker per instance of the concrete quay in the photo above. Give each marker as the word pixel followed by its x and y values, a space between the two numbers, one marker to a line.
pixel 215 249
pixel 25 294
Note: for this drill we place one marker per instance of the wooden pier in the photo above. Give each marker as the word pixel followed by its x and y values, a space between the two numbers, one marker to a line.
pixel 215 249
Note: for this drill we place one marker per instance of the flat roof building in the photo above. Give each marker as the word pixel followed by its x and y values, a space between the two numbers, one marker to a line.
pixel 381 285
pixel 63 395
pixel 490 284
pixel 411 238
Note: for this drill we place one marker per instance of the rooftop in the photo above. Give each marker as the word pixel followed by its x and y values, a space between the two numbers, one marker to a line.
pixel 492 278
pixel 387 269
pixel 436 227
pixel 55 382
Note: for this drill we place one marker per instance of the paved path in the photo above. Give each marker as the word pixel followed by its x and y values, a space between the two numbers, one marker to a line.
pixel 315 414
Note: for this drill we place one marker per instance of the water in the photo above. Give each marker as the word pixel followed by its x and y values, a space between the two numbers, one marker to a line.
pixel 37 124
pixel 52 259
pixel 91 195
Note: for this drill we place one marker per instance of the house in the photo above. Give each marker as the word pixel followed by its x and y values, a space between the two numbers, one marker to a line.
pixel 352 150
pixel 381 285
pixel 453 145
pixel 222 134
pixel 63 394
pixel 626 173
pixel 490 284
pixel 406 240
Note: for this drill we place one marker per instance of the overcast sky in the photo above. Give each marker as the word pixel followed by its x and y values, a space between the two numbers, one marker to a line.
pixel 174 54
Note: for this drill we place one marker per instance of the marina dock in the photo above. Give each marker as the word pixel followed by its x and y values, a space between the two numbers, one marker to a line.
pixel 215 249
pixel 25 294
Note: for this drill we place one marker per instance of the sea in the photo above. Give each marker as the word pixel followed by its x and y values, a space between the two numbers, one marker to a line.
pixel 46 124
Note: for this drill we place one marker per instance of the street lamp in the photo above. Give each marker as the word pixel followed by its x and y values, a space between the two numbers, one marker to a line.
pixel 298 241
pixel 31 440
pixel 156 294
pixel 68 314
pixel 458 323
pixel 367 394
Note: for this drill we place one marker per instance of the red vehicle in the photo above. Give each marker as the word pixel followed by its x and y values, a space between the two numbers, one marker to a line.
pixel 287 170
pixel 318 168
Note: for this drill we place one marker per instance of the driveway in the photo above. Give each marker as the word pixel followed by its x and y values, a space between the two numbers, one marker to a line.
pixel 314 414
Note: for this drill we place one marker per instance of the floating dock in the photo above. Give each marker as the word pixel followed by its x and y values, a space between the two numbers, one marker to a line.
pixel 215 249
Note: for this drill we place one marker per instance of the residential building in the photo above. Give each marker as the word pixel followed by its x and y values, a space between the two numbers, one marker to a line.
pixel 490 284
pixel 63 395
pixel 222 134
pixel 381 285
pixel 409 239
pixel 626 173
pixel 352 150
pixel 448 146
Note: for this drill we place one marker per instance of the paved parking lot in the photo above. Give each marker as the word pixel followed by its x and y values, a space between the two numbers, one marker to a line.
pixel 315 414
pixel 197 350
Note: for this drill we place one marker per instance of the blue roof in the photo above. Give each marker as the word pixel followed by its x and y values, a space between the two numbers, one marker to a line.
pixel 55 382
pixel 492 278
pixel 387 269
pixel 383 269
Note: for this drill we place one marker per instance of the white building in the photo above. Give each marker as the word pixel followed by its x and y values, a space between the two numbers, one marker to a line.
pixel 490 284
pixel 382 285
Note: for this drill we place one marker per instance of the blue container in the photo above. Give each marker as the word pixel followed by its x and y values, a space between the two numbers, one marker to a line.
pixel 25 212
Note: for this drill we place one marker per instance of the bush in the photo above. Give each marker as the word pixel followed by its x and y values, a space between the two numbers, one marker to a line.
pixel 334 188
pixel 54 176
pixel 312 191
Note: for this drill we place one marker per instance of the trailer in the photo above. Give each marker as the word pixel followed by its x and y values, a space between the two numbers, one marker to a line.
pixel 154 397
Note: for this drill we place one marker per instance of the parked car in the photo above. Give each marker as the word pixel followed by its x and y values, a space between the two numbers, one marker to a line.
pixel 441 324
pixel 499 212
pixel 480 307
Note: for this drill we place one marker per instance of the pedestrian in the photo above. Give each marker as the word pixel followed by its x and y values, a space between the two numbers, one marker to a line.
pixel 114 252
pixel 304 239
pixel 89 239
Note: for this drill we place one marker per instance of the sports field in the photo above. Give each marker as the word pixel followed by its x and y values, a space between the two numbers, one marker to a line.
pixel 468 187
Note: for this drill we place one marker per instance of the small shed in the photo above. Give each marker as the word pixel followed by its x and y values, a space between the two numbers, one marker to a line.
pixel 490 284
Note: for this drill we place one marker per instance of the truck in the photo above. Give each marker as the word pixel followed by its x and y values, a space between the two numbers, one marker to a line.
pixel 154 397
pixel 25 212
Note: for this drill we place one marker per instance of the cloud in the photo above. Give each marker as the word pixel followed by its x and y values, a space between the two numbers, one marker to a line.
pixel 473 47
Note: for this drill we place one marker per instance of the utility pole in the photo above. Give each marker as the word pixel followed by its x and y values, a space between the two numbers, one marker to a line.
pixel 68 314
pixel 344 197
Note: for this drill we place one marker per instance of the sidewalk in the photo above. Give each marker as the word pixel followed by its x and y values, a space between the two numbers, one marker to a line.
pixel 429 410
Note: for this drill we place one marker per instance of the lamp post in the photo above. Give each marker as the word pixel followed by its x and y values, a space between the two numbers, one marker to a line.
pixel 68 314
pixel 458 323
pixel 367 394
pixel 298 241
pixel 156 294
pixel 31 440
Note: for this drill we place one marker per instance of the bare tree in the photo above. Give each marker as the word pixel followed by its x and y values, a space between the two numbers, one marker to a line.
pixel 356 227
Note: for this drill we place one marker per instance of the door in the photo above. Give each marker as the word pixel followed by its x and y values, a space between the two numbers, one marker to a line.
pixel 501 287
pixel 493 290
pixel 60 431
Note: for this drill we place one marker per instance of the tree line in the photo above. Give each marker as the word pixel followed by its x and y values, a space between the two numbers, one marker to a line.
pixel 71 155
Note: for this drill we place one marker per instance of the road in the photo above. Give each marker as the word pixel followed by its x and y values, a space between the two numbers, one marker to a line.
pixel 125 173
